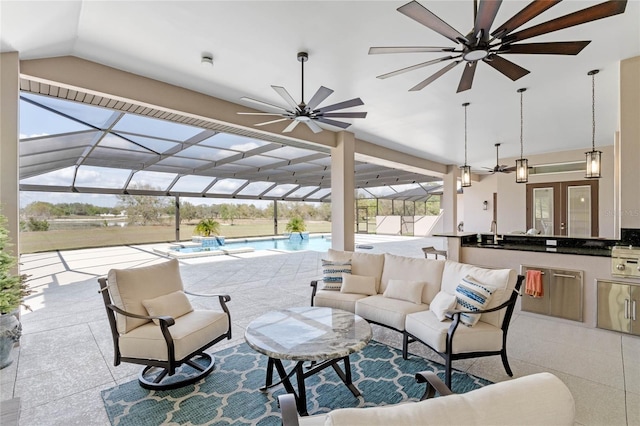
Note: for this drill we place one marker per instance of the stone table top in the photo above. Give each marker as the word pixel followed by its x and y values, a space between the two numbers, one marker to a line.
pixel 308 334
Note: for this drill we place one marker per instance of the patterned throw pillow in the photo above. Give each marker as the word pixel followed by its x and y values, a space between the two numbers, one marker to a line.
pixel 472 296
pixel 332 271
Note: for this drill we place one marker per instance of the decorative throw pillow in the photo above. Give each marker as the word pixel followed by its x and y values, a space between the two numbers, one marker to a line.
pixel 410 291
pixel 332 273
pixel 472 295
pixel 360 284
pixel 442 303
pixel 174 305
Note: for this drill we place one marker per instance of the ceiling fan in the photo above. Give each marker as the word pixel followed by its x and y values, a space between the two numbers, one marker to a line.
pixel 483 45
pixel 307 113
pixel 500 168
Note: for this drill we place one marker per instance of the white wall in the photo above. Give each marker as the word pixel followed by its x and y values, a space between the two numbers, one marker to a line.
pixel 475 218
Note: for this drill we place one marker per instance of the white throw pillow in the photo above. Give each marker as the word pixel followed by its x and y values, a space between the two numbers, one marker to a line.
pixel 411 291
pixel 332 271
pixel 442 303
pixel 174 305
pixel 472 296
pixel 360 284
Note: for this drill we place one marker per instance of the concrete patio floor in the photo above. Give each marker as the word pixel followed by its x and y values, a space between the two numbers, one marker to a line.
pixel 65 356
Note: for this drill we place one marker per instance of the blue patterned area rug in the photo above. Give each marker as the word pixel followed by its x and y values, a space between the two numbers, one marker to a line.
pixel 231 395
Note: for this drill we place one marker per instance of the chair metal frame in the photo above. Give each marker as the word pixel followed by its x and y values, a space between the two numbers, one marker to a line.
pixel 167 367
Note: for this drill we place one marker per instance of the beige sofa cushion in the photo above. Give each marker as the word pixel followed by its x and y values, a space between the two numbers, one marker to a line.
pixel 190 332
pixel 410 291
pixel 359 284
pixel 481 337
pixel 383 310
pixel 538 399
pixel 369 264
pixel 129 287
pixel 503 280
pixel 414 269
pixel 337 299
pixel 174 305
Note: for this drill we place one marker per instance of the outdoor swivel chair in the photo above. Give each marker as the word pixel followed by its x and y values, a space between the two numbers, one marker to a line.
pixel 153 324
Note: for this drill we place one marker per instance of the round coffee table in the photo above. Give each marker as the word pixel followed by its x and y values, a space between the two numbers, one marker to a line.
pixel 324 336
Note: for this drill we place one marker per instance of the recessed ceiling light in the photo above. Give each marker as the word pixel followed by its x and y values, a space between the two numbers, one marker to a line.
pixel 207 59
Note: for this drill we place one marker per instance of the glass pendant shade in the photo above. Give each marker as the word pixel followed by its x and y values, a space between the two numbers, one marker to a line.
pixel 522 170
pixel 594 168
pixel 465 176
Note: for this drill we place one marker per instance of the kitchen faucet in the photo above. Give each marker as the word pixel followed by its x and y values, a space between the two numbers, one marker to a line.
pixel 494 231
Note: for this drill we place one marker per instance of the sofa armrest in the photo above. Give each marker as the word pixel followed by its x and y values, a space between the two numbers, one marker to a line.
pixel 288 409
pixel 314 284
pixel 434 384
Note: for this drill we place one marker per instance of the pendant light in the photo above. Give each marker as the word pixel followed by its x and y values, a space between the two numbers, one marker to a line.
pixel 594 157
pixel 465 171
pixel 522 165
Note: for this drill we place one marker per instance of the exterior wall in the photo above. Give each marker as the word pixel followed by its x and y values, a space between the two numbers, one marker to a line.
pixel 476 219
pixel 388 225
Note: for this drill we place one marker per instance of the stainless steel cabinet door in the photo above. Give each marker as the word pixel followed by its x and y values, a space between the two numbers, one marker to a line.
pixel 566 294
pixel 538 305
pixel 634 309
pixel 614 306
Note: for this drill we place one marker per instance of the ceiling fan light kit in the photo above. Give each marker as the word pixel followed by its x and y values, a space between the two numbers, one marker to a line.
pixel 522 164
pixel 594 157
pixel 482 45
pixel 307 113
pixel 465 171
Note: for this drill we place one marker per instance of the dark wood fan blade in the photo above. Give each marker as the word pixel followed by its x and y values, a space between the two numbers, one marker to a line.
pixel 275 114
pixel 434 77
pixel 421 14
pixel 262 103
pixel 342 105
pixel 273 121
pixel 345 114
pixel 414 67
pixel 506 67
pixel 532 10
pixel 291 126
pixel 408 49
pixel 593 13
pixel 487 11
pixel 313 126
pixel 551 48
pixel 340 124
pixel 286 96
pixel 322 94
pixel 467 77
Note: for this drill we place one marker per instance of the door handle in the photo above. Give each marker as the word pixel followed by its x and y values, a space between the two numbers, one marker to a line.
pixel 626 308
pixel 564 276
pixel 633 310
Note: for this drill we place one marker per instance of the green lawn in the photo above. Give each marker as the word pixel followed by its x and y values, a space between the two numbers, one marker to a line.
pixel 33 242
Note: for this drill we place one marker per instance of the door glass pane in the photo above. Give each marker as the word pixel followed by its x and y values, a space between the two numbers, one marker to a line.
pixel 579 211
pixel 543 210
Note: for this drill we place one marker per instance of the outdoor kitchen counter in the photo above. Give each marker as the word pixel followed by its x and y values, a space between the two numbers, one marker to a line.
pixel 561 245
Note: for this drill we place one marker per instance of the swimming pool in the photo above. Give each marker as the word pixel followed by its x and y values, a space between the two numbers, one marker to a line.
pixel 295 243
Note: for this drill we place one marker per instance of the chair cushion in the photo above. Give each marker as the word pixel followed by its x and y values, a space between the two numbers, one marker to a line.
pixel 129 287
pixel 332 271
pixel 337 299
pixel 442 303
pixel 174 304
pixel 481 337
pixel 410 291
pixel 538 399
pixel 414 269
pixel 360 284
pixel 190 333
pixel 503 280
pixel 369 264
pixel 390 312
pixel 472 295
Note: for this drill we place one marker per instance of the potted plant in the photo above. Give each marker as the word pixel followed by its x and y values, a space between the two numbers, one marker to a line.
pixel 13 290
pixel 296 225
pixel 208 229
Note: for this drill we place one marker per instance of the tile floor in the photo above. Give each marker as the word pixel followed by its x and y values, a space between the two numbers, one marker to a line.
pixel 65 356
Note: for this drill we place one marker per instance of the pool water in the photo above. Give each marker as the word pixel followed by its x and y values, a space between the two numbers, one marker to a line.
pixel 320 243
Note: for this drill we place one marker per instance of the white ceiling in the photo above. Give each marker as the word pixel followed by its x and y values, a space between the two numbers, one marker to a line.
pixel 254 45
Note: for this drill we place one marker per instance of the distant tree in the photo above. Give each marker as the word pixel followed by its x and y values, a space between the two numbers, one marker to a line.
pixel 188 211
pixel 144 209
pixel 37 225
pixel 229 212
pixel 39 209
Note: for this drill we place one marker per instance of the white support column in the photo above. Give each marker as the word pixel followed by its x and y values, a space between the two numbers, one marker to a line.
pixel 9 137
pixel 449 201
pixel 343 192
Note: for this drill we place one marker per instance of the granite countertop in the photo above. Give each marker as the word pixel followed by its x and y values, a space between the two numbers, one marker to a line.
pixel 584 251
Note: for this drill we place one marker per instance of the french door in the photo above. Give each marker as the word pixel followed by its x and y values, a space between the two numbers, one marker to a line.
pixel 563 208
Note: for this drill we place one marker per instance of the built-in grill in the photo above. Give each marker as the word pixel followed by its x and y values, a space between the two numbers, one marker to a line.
pixel 625 261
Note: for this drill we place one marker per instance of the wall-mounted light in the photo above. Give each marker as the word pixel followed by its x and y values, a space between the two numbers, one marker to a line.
pixel 522 164
pixel 594 157
pixel 485 205
pixel 465 171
